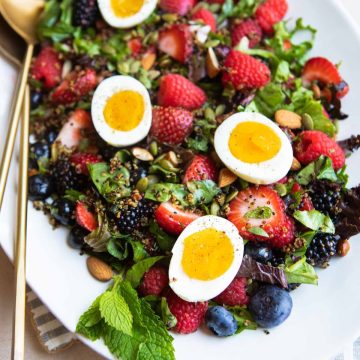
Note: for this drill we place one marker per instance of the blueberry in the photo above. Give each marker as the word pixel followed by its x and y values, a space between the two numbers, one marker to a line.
pixel 40 187
pixel 270 306
pixel 220 321
pixel 35 99
pixel 40 150
pixel 259 252
pixel 137 174
pixel 50 136
pixel 63 211
pixel 76 237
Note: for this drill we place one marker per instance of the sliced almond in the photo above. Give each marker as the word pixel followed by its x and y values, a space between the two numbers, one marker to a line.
pixel 288 119
pixel 226 177
pixel 171 156
pixel 295 166
pixel 142 154
pixel 99 269
pixel 148 60
pixel 212 64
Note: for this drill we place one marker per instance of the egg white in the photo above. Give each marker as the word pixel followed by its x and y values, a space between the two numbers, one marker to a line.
pixel 198 290
pixel 126 22
pixel 103 93
pixel 266 172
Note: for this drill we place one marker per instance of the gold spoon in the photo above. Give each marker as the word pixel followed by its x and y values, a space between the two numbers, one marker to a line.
pixel 22 16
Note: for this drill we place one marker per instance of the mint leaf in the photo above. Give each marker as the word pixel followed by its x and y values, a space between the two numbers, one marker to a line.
pixel 116 312
pixel 137 271
pixel 243 317
pixel 300 272
pixel 256 230
pixel 261 212
pixel 326 172
pixel 321 169
pixel 202 191
pixel 164 240
pixel 167 317
pixel 315 220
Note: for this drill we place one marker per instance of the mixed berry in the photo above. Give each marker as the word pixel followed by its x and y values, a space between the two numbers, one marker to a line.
pixel 127 180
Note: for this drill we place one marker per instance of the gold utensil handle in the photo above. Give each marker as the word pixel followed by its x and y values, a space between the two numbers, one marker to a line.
pixel 13 124
pixel 20 254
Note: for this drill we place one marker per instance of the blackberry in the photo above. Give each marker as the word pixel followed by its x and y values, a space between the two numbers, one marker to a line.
pixel 278 258
pixel 325 197
pixel 132 218
pixel 66 177
pixel 85 13
pixel 322 248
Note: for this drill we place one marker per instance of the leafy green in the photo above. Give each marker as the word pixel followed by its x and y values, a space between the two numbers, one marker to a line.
pixel 261 212
pixel 315 220
pixel 161 307
pixel 300 272
pixel 202 191
pixel 164 240
pixel 99 238
pixel 118 247
pixel 307 237
pixel 243 317
pixel 256 230
pixel 241 9
pixel 137 271
pixel 204 130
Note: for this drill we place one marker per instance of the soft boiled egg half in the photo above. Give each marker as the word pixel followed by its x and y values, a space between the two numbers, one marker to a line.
pixel 126 13
pixel 121 111
pixel 254 148
pixel 205 258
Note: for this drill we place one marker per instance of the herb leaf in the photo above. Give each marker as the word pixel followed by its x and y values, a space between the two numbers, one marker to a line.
pixel 315 220
pixel 261 212
pixel 243 317
pixel 256 230
pixel 300 272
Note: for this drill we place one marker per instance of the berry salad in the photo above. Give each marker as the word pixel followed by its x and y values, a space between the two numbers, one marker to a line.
pixel 190 148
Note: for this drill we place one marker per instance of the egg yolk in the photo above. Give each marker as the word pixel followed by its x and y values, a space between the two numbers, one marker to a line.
pixel 126 8
pixel 252 142
pixel 207 254
pixel 124 110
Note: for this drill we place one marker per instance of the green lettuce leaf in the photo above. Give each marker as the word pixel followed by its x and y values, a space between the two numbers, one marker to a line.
pixel 300 272
pixel 315 220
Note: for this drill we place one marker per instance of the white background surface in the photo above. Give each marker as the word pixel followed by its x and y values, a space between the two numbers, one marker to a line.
pixel 79 351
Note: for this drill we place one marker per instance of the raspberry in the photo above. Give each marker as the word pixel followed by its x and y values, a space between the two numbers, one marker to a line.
pixel 205 16
pixel 249 28
pixel 234 294
pixel 243 71
pixel 269 13
pixel 311 144
pixel 189 315
pixel 154 281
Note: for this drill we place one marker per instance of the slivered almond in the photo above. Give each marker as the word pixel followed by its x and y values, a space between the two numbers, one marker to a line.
pixel 295 166
pixel 226 177
pixel 99 269
pixel 148 60
pixel 288 119
pixel 212 64
pixel 142 154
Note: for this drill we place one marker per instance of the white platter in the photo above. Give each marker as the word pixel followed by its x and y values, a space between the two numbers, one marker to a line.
pixel 324 318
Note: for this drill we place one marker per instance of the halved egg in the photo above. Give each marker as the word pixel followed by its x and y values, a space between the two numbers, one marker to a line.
pixel 254 148
pixel 126 13
pixel 121 111
pixel 205 258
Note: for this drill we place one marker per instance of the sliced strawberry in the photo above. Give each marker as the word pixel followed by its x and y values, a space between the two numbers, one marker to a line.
pixel 249 211
pixel 85 218
pixel 82 160
pixel 206 17
pixel 171 125
pixel 71 133
pixel 47 67
pixel 181 7
pixel 176 41
pixel 201 168
pixel 75 86
pixel 322 70
pixel 173 219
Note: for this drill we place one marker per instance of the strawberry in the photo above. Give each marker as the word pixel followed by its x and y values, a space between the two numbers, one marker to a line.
pixel 234 294
pixel 171 125
pixel 84 217
pixel 249 28
pixel 306 203
pixel 176 90
pixel 243 71
pixel 47 67
pixel 201 168
pixel 71 133
pixel 82 160
pixel 248 210
pixel 172 219
pixel 135 46
pixel 311 144
pixel 269 13
pixel 189 315
pixel 75 86
pixel 205 16
pixel 176 41
pixel 322 70
pixel 180 7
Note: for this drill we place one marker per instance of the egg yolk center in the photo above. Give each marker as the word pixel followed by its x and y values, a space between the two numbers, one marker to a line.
pixel 207 254
pixel 252 142
pixel 126 8
pixel 124 110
